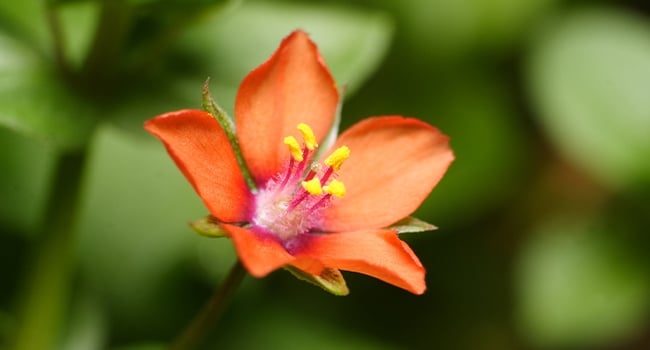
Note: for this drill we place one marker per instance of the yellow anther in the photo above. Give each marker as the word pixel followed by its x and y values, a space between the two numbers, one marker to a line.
pixel 335 160
pixel 313 186
pixel 308 136
pixel 294 148
pixel 335 188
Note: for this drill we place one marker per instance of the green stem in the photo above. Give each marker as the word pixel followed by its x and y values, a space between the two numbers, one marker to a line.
pixel 211 311
pixel 47 288
pixel 100 65
pixel 229 128
pixel 57 40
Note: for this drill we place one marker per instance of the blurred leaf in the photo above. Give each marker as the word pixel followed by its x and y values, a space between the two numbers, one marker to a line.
pixel 78 20
pixel 24 181
pixel 8 325
pixel 411 224
pixel 35 101
pixel 156 23
pixel 180 6
pixel 151 346
pixel 589 74
pixel 133 227
pixel 287 329
pixel 353 42
pixel 478 112
pixel 442 29
pixel 88 326
pixel 143 100
pixel 331 280
pixel 25 20
pixel 581 284
pixel 208 226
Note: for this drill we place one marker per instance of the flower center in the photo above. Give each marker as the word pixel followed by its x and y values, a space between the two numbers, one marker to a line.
pixel 291 202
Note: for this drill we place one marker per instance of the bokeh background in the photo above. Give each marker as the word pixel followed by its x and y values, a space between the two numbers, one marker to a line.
pixel 544 215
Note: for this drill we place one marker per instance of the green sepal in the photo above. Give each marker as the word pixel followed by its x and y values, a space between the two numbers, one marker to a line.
pixel 331 280
pixel 411 224
pixel 208 226
pixel 226 122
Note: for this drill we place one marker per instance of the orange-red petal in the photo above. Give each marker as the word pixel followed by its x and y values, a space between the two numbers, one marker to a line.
pixel 377 253
pixel 260 253
pixel 394 164
pixel 200 148
pixel 293 86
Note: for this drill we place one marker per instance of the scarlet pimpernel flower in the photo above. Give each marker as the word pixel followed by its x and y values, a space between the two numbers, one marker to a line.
pixel 289 193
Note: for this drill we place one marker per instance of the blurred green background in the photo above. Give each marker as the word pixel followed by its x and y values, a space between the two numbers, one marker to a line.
pixel 544 215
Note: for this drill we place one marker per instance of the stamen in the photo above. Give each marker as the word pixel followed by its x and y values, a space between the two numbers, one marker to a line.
pixel 302 164
pixel 313 170
pixel 292 202
pixel 327 174
pixel 336 159
pixel 294 148
pixel 287 175
pixel 308 136
pixel 335 188
pixel 313 186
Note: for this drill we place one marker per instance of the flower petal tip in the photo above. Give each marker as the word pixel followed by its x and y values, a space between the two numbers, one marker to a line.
pixel 293 86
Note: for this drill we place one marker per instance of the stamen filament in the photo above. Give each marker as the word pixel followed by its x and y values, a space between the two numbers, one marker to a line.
pixel 301 197
pixel 321 203
pixel 301 166
pixel 310 175
pixel 309 187
pixel 287 176
pixel 327 174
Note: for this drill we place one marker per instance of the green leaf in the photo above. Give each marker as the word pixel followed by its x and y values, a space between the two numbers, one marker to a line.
pixel 78 21
pixel 411 224
pixel 277 326
pixel 448 30
pixel 26 21
pixel 146 346
pixel 589 75
pixel 133 230
pixel 580 283
pixel 208 226
pixel 353 42
pixel 87 325
pixel 331 280
pixel 156 23
pixel 8 326
pixel 477 111
pixel 36 102
pixel 146 99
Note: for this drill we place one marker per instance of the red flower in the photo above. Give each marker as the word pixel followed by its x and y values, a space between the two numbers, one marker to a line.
pixel 314 212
